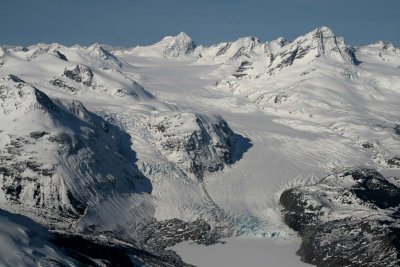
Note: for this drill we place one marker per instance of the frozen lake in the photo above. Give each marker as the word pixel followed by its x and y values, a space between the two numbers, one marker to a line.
pixel 238 252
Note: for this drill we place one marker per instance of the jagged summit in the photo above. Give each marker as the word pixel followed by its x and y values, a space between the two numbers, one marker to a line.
pixel 169 47
pixel 276 54
pixel 180 37
pixel 275 44
pixel 183 36
pixel 99 51
pixel 323 42
pixel 321 35
pixel 324 31
pixel 385 45
pixel 178 45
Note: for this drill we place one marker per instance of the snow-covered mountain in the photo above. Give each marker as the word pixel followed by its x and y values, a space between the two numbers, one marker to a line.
pixel 169 47
pixel 138 149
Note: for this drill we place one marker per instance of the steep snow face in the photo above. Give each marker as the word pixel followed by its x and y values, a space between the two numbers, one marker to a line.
pixel 58 156
pixel 97 51
pixel 96 54
pixel 181 44
pixel 26 243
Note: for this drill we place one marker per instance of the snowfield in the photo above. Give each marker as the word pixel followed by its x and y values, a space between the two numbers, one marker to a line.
pixel 151 146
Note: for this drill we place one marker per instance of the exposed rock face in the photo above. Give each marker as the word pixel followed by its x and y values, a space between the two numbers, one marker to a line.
pixel 351 243
pixel 157 236
pixel 80 74
pixel 60 55
pixel 2 55
pixel 298 212
pixel 63 85
pixel 243 49
pixel 347 219
pixel 247 47
pixel 394 162
pixel 320 42
pixel 198 143
pixel 397 129
pixel 240 72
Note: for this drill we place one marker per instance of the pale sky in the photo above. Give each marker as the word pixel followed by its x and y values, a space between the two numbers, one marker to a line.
pixel 133 22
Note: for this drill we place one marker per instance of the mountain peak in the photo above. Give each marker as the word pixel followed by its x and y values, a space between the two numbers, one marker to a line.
pixel 320 34
pixel 18 96
pixel 180 44
pixel 322 41
pixel 324 31
pixel 184 37
pixel 99 51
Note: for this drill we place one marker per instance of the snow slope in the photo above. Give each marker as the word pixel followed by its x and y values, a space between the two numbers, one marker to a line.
pixel 25 243
pixel 122 141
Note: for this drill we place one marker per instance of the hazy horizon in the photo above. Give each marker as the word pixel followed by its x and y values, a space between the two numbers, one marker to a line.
pixel 138 22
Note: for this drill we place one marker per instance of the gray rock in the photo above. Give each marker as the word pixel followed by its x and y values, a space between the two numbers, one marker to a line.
pixel 349 218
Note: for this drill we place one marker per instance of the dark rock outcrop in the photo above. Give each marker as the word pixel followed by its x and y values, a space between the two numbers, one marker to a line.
pixel 80 74
pixel 349 218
